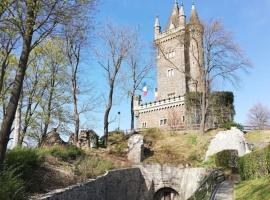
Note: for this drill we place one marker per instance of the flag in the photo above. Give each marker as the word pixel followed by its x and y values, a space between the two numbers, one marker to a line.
pixel 145 90
pixel 156 93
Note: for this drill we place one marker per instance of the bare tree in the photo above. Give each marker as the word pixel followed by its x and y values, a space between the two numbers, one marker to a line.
pixel 117 41
pixel 34 21
pixel 259 116
pixel 137 72
pixel 174 119
pixel 75 38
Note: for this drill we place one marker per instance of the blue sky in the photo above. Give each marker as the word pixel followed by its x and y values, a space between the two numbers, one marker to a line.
pixel 248 20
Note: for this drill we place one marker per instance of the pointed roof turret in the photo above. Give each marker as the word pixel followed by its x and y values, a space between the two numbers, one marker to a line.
pixel 182 17
pixel 182 11
pixel 157 24
pixel 174 18
pixel 194 19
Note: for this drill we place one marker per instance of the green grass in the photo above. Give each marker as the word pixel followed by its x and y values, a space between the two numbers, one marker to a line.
pixel 92 167
pixel 257 189
pixel 63 153
pixel 258 137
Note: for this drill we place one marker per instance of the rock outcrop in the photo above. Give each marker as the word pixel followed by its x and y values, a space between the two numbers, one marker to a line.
pixel 135 148
pixel 228 140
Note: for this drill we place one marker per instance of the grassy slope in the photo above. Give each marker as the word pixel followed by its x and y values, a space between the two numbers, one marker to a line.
pixel 257 189
pixel 176 148
pixel 258 138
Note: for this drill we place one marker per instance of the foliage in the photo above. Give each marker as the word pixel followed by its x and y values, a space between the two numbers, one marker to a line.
pixel 220 109
pixel 24 160
pixel 255 164
pixel 91 167
pixel 228 125
pixel 12 186
pixel 253 189
pixel 226 159
pixel 63 153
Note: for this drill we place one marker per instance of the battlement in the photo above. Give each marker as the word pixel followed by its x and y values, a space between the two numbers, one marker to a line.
pixel 161 104
pixel 169 32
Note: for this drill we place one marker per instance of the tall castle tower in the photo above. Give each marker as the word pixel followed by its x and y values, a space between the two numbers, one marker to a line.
pixel 179 53
pixel 179 65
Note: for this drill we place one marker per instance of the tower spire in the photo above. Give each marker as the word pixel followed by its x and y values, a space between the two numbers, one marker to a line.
pixel 174 18
pixel 182 16
pixel 194 19
pixel 157 27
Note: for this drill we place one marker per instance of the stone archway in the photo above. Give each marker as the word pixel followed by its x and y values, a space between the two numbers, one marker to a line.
pixel 166 193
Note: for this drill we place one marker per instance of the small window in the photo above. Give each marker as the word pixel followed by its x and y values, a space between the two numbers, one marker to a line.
pixel 183 118
pixel 170 95
pixel 144 125
pixel 163 122
pixel 170 72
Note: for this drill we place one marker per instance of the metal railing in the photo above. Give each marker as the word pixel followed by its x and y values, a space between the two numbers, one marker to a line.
pixel 208 185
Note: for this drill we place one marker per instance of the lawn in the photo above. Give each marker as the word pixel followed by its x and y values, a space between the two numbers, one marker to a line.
pixel 257 189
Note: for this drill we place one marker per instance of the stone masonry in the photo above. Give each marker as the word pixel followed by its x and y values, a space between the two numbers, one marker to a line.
pixel 179 56
pixel 139 183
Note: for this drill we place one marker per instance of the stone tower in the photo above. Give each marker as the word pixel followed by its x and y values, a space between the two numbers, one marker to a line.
pixel 179 53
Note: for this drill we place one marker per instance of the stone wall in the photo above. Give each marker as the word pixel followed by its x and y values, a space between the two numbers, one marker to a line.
pixel 185 181
pixel 115 185
pixel 140 183
pixel 152 115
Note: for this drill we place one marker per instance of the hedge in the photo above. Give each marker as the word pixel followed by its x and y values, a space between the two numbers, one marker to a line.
pixel 255 164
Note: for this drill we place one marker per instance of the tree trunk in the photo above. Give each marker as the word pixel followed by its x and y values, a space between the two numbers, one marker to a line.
pixel 205 90
pixel 17 125
pixel 15 96
pixel 49 105
pixel 107 112
pixel 76 113
pixel 132 112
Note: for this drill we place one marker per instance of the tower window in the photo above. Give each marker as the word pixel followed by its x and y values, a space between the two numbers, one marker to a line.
pixel 170 72
pixel 171 95
pixel 163 122
pixel 144 125
pixel 170 54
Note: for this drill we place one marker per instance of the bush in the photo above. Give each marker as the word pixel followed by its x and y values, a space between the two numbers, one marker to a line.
pixel 24 160
pixel 226 159
pixel 92 167
pixel 64 153
pixel 228 125
pixel 12 186
pixel 255 164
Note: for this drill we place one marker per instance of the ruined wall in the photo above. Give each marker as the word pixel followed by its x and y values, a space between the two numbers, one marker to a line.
pixel 115 185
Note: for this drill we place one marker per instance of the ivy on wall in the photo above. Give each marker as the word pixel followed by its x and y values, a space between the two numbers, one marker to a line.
pixel 220 108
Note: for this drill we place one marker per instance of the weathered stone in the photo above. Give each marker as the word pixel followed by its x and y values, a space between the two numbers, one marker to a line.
pixel 185 181
pixel 228 140
pixel 86 139
pixel 141 183
pixel 135 148
pixel 52 139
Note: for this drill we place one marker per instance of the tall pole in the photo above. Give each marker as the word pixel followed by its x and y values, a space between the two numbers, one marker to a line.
pixel 118 121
